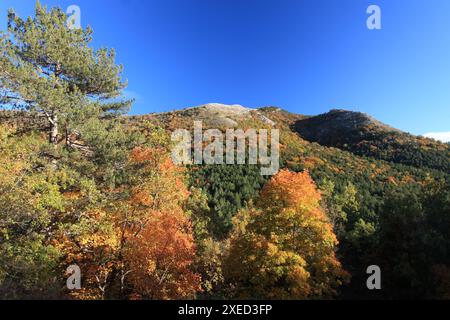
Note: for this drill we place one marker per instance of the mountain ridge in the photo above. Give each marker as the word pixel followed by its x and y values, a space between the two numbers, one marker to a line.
pixel 353 131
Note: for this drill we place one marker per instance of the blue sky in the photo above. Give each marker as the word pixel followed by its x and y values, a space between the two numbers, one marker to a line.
pixel 306 56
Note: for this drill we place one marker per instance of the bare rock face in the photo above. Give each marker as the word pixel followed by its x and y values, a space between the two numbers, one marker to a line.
pixel 223 109
pixel 264 119
pixel 222 115
pixel 216 114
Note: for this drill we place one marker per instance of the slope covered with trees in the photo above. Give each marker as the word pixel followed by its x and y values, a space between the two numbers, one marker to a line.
pixel 283 247
pixel 82 184
pixel 361 134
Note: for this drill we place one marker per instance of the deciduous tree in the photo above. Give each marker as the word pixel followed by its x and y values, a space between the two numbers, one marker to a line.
pixel 284 247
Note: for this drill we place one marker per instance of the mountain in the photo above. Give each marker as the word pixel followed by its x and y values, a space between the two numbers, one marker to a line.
pixel 339 146
pixel 342 147
pixel 351 131
pixel 337 126
pixel 212 115
pixel 385 191
pixel 365 136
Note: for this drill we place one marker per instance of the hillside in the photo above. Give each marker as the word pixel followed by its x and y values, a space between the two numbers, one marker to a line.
pixel 355 132
pixel 95 204
pixel 372 179
pixel 363 135
pixel 361 166
pixel 325 145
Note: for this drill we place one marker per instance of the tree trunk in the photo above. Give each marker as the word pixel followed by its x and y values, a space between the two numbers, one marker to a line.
pixel 54 129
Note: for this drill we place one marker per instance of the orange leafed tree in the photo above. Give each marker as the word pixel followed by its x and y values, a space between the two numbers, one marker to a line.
pixel 160 257
pixel 284 247
pixel 141 245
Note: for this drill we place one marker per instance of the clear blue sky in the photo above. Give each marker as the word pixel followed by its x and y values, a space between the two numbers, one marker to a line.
pixel 306 56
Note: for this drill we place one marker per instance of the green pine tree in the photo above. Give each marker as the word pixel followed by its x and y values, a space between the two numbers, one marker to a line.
pixel 50 69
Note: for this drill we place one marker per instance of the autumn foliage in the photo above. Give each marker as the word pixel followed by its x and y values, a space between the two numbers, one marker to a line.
pixel 142 245
pixel 82 184
pixel 161 254
pixel 284 247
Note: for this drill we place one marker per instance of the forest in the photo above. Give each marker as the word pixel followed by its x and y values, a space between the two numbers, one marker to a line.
pixel 82 183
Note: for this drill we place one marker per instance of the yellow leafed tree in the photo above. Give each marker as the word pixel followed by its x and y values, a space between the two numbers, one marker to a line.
pixel 284 246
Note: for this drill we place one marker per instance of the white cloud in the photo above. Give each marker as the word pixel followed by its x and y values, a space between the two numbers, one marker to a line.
pixel 441 136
